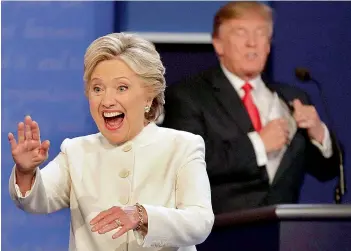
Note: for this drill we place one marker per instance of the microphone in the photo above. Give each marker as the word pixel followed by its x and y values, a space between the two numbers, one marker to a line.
pixel 304 75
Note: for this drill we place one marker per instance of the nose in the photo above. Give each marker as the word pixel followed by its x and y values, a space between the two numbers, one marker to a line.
pixel 251 40
pixel 109 99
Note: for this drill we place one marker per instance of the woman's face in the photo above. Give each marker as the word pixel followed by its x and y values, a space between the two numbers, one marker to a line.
pixel 117 100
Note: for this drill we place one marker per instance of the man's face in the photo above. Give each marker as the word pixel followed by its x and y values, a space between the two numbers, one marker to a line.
pixel 243 44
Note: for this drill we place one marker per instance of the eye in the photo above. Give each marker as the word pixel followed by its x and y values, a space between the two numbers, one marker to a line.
pixel 240 32
pixel 122 88
pixel 262 32
pixel 97 89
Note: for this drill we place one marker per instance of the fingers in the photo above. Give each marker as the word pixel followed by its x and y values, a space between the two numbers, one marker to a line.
pixel 107 224
pixel 307 117
pixel 28 130
pixel 20 133
pixel 104 222
pixel 111 219
pixel 44 148
pixel 27 127
pixel 119 232
pixel 35 130
pixel 111 226
pixel 297 104
pixel 100 216
pixel 12 141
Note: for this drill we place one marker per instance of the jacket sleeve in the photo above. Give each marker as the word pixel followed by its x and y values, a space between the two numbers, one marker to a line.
pixel 226 158
pixel 191 221
pixel 50 190
pixel 317 164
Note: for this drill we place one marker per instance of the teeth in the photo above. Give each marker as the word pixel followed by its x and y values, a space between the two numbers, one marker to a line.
pixel 111 114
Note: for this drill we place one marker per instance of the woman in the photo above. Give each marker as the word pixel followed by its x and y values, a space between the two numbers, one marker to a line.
pixel 131 186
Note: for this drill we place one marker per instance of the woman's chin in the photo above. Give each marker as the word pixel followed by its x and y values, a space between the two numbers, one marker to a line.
pixel 116 139
pixel 115 135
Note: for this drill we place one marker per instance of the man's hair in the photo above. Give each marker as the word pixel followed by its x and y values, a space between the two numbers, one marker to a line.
pixel 235 10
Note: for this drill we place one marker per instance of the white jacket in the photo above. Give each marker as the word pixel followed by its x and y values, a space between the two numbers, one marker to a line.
pixel 162 169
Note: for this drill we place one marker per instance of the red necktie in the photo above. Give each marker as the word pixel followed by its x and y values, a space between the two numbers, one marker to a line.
pixel 251 107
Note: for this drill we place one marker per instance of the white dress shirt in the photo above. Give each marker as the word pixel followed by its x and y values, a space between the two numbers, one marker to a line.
pixel 162 169
pixel 263 99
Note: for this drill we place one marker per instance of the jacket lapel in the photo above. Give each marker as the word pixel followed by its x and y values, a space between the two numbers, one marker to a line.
pixel 230 101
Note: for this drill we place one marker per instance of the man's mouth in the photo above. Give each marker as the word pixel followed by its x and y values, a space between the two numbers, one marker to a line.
pixel 113 120
pixel 251 55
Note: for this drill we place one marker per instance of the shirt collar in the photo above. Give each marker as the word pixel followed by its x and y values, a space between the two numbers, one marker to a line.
pixel 238 83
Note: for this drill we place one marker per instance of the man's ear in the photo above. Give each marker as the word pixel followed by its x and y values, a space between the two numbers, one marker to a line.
pixel 218 46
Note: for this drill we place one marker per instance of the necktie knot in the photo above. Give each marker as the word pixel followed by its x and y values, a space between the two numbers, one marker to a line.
pixel 247 87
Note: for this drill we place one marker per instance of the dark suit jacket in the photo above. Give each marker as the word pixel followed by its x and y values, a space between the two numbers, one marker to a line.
pixel 208 105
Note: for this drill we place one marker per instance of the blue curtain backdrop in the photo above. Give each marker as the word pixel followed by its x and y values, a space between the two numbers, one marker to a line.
pixel 43 45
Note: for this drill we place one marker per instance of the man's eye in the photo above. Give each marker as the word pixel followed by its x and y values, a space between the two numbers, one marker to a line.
pixel 240 32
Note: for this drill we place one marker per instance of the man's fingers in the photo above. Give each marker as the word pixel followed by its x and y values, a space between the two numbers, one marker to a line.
pixel 297 104
pixel 12 141
pixel 304 124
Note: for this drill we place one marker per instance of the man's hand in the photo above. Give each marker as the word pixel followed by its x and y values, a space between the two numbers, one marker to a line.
pixel 275 135
pixel 307 117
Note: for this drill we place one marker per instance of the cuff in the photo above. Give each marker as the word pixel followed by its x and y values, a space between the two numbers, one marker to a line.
pixel 326 146
pixel 151 239
pixel 260 150
pixel 17 189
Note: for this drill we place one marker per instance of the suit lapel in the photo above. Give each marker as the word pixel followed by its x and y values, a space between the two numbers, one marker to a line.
pixel 230 101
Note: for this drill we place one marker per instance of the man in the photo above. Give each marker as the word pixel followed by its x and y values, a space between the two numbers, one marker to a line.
pixel 261 137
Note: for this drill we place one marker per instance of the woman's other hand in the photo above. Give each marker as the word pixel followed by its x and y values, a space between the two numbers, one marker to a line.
pixel 116 218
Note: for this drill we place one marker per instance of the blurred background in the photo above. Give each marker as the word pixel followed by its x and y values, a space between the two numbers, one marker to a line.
pixel 43 44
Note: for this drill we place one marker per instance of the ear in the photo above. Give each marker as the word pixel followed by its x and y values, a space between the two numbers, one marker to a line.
pixel 218 45
pixel 149 101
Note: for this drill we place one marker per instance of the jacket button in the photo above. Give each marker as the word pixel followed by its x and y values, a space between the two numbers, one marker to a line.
pixel 124 173
pixel 127 148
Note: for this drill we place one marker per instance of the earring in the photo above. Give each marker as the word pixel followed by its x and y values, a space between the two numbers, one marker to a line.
pixel 147 109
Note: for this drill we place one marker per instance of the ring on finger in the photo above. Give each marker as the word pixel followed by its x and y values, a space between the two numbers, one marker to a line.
pixel 119 223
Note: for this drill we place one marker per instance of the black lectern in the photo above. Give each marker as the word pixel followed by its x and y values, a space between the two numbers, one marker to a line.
pixel 282 228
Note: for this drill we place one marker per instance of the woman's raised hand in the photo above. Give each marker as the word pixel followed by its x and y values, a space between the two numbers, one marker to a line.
pixel 28 153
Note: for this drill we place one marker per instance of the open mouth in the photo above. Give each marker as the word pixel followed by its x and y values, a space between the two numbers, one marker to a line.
pixel 113 120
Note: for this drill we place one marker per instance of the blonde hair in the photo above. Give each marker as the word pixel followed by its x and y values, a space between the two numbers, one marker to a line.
pixel 140 55
pixel 235 10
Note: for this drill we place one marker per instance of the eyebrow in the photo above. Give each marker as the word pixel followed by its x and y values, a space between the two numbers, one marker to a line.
pixel 99 79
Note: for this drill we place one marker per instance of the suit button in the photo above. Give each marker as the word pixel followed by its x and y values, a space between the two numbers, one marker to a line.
pixel 124 200
pixel 127 148
pixel 124 173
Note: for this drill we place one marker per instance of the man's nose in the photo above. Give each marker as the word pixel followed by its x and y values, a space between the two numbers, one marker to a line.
pixel 251 40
